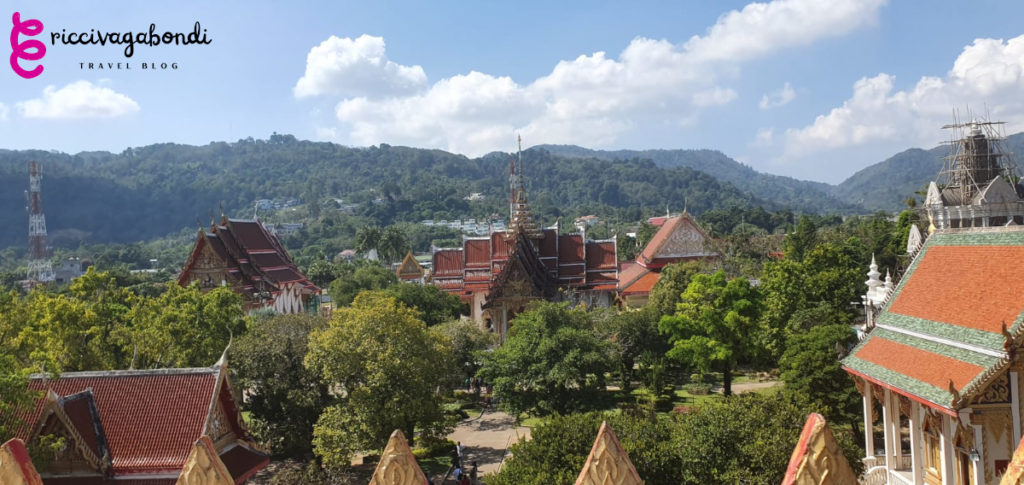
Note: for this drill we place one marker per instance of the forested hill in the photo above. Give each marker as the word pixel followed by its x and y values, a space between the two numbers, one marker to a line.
pixel 885 185
pixel 148 192
pixel 797 194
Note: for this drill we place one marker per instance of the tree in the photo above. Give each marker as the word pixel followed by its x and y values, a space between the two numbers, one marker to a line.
pixel 283 396
pixel 367 238
pixel 745 439
pixel 715 325
pixel 434 304
pixel 467 338
pixel 558 448
pixel 551 362
pixel 632 334
pixel 370 277
pixel 384 365
pixel 801 240
pixel 810 366
pixel 183 327
pixel 671 285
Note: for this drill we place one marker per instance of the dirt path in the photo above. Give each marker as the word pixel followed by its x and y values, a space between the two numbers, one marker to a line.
pixel 749 386
pixel 486 439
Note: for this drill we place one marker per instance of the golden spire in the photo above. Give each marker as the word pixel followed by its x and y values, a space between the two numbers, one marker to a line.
pixel 608 463
pixel 521 217
pixel 397 465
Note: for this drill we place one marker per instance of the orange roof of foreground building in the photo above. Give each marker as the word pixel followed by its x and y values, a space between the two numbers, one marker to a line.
pixel 945 331
pixel 141 424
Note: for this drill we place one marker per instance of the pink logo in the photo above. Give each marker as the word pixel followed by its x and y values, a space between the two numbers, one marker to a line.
pixel 20 50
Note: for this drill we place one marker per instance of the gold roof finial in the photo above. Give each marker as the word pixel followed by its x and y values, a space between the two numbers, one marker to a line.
pixel 397 465
pixel 608 463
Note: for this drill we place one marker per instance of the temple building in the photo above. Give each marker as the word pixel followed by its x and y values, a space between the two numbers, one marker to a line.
pixel 976 187
pixel 678 239
pixel 142 427
pixel 243 255
pixel 938 352
pixel 499 275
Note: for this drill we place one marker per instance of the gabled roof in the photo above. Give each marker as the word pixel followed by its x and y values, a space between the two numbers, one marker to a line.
pixel 944 334
pixel 143 421
pixel 678 238
pixel 410 269
pixel 250 254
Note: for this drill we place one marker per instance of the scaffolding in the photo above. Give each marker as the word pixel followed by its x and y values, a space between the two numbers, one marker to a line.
pixel 977 155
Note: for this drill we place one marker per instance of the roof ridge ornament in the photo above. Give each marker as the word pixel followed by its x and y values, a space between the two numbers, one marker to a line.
pixel 608 463
pixel 397 464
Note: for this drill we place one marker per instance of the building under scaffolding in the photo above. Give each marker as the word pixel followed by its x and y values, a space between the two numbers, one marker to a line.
pixel 978 185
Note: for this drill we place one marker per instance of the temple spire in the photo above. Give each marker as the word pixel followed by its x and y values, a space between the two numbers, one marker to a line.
pixel 520 215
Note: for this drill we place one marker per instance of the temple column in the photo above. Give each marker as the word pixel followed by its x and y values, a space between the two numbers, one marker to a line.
pixel 979 466
pixel 887 418
pixel 916 444
pixel 869 419
pixel 947 451
pixel 1015 406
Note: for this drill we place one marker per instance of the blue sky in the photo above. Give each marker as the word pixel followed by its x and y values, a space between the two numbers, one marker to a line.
pixel 811 89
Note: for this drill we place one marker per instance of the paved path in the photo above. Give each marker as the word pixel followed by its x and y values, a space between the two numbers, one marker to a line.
pixel 486 439
pixel 749 386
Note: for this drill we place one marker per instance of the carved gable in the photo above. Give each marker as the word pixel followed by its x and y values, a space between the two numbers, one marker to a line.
pixel 685 240
pixel 204 467
pixel 817 458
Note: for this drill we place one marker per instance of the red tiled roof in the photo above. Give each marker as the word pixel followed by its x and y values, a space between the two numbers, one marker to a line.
pixel 643 284
pixel 150 418
pixel 500 248
pixel 601 255
pixel 249 253
pixel 81 409
pixel 478 252
pixel 448 262
pixel 918 364
pixel 549 244
pixel 657 221
pixel 570 248
pixel 984 294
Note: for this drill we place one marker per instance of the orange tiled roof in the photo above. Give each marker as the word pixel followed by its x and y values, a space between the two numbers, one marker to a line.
pixel 977 287
pixel 944 321
pixel 642 285
pixel 150 418
pixel 650 254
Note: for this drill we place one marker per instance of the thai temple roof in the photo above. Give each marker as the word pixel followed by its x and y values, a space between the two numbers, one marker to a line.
pixel 946 329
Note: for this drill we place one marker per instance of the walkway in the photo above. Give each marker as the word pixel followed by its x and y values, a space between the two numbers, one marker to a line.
pixel 486 438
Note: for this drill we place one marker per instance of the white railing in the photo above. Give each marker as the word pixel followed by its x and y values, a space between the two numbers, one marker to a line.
pixel 876 476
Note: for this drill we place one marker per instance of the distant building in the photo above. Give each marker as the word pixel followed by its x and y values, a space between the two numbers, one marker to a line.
pixel 680 238
pixel 243 255
pixel 142 427
pixel 500 274
pixel 582 223
pixel 70 269
pixel 475 196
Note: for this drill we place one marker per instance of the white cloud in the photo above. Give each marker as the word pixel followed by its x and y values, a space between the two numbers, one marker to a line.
pixel 760 28
pixel 764 137
pixel 359 67
pixel 78 100
pixel 988 75
pixel 778 98
pixel 4 112
pixel 591 100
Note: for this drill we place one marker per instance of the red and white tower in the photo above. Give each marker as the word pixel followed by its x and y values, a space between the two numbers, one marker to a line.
pixel 39 267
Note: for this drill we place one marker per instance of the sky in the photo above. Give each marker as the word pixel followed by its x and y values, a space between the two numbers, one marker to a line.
pixel 815 90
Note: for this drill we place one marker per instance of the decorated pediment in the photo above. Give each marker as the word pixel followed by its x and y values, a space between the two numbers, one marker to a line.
pixel 686 239
pixel 397 464
pixel 410 268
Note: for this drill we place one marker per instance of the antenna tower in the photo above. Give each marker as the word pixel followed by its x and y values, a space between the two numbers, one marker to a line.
pixel 39 267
